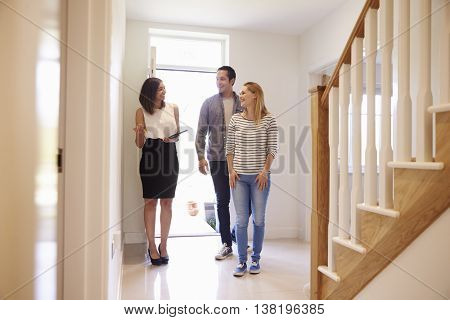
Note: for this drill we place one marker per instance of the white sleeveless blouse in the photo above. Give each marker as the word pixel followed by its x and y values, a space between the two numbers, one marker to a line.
pixel 162 123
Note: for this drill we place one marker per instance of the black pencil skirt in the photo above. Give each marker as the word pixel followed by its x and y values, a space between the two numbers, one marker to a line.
pixel 159 169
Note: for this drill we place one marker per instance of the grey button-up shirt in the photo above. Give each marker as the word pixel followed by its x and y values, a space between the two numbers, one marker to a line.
pixel 211 123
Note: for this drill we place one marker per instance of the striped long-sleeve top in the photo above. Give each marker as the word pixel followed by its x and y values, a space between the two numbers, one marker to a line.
pixel 250 143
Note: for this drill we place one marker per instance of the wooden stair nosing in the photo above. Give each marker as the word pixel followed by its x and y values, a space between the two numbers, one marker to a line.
pixel 439 108
pixel 378 210
pixel 332 275
pixel 416 165
pixel 350 245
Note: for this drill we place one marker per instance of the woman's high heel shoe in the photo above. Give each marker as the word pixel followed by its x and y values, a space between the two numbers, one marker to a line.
pixel 157 261
pixel 165 260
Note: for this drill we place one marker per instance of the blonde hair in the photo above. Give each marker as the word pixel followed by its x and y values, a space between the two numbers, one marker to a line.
pixel 260 108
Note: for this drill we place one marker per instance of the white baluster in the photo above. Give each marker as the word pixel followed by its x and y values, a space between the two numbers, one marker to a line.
pixel 404 121
pixel 386 154
pixel 357 92
pixel 444 77
pixel 344 99
pixel 444 63
pixel 370 172
pixel 424 97
pixel 333 134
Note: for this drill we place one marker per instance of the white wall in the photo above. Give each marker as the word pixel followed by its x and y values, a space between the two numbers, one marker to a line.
pixel 320 46
pixel 93 149
pixel 117 53
pixel 420 271
pixel 269 59
pixel 323 43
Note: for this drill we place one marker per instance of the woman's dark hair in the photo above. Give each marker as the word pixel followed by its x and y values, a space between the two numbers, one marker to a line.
pixel 148 94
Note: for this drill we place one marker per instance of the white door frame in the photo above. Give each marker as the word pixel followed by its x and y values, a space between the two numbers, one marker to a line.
pixel 86 236
pixel 61 147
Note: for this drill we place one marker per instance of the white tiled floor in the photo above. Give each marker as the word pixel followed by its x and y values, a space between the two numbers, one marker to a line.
pixel 192 272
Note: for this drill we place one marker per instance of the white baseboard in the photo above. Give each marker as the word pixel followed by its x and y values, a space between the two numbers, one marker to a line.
pixel 280 233
pixel 270 233
pixel 119 283
pixel 135 237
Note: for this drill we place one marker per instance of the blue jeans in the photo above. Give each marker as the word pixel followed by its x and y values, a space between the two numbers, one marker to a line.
pixel 246 189
pixel 219 173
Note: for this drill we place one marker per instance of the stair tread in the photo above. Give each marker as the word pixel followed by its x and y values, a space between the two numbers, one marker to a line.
pixel 416 165
pixel 439 108
pixel 332 275
pixel 378 210
pixel 349 244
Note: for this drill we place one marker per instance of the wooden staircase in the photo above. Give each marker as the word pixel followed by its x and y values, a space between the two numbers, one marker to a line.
pixel 342 265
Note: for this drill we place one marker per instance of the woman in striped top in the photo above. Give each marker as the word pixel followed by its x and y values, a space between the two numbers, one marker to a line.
pixel 252 144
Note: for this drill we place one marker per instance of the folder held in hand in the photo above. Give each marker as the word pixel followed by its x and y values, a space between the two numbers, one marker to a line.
pixel 177 134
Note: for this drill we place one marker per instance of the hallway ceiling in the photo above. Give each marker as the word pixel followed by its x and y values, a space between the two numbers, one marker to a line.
pixel 275 16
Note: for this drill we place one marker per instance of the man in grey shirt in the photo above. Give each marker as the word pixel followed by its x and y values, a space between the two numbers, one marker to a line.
pixel 215 114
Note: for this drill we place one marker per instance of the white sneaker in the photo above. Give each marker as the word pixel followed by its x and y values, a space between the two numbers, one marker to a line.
pixel 255 267
pixel 224 252
pixel 240 270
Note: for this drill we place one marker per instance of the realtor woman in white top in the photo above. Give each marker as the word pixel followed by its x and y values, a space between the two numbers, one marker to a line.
pixel 156 121
pixel 252 144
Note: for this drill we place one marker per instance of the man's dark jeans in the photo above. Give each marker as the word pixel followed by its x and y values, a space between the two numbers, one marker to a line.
pixel 219 173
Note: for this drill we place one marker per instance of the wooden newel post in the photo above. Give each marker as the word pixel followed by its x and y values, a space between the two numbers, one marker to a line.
pixel 320 187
